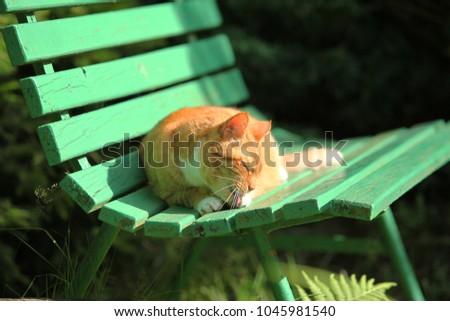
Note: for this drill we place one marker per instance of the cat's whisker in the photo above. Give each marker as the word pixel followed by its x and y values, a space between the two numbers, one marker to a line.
pixel 232 200
pixel 228 186
pixel 226 201
pixel 231 179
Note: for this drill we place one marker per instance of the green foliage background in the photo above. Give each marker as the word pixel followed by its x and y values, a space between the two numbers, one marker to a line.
pixel 352 66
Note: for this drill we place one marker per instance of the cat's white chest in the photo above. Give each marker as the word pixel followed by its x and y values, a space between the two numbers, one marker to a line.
pixel 191 171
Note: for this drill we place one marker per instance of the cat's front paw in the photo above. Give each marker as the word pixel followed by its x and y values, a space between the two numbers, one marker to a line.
pixel 209 204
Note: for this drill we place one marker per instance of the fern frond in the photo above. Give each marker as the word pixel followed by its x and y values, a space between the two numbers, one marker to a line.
pixel 363 283
pixel 344 289
pixel 301 293
pixel 336 288
pixel 377 292
pixel 355 287
pixel 329 296
pixel 314 288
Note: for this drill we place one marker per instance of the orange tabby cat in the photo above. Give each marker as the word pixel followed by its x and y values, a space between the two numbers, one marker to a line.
pixel 208 157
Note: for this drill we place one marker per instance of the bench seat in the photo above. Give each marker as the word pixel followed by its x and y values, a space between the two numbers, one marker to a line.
pixel 379 170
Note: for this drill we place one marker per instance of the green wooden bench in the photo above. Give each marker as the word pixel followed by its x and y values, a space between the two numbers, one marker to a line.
pixel 137 91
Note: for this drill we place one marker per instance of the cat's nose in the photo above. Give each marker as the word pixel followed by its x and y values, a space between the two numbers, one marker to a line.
pixel 251 187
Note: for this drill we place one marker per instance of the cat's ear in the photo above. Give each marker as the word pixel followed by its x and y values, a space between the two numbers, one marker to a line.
pixel 235 127
pixel 259 129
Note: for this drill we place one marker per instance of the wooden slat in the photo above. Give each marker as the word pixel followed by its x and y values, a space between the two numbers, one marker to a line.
pixel 377 191
pixel 95 186
pixel 46 40
pixel 213 224
pixel 174 222
pixel 130 212
pixel 283 135
pixel 81 86
pixel 315 197
pixel 81 134
pixel 12 6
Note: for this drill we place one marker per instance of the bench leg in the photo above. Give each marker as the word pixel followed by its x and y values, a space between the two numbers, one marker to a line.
pixel 268 258
pixel 188 265
pixel 91 261
pixel 397 253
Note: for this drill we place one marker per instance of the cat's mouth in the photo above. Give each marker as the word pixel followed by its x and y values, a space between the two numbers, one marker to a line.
pixel 238 199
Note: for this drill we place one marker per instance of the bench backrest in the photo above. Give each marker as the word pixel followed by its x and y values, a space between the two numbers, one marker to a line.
pixel 109 102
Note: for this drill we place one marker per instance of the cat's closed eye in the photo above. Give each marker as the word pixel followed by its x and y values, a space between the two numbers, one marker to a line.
pixel 249 166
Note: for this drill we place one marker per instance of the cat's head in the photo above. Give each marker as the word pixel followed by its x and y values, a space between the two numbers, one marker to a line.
pixel 233 157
